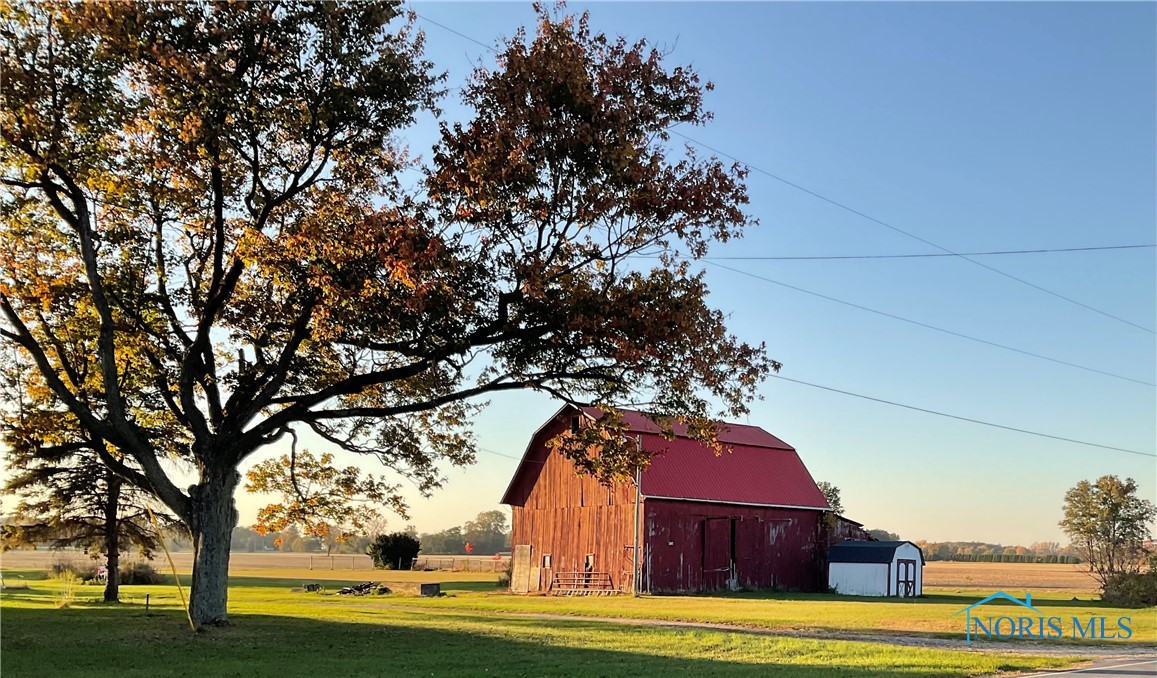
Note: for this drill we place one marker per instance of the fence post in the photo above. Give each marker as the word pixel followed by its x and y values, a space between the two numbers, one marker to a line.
pixel 311 562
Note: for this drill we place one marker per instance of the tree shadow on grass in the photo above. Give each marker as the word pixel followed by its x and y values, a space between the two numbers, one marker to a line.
pixel 961 599
pixel 335 584
pixel 40 642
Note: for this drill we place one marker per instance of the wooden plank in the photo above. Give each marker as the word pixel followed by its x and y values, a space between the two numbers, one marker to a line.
pixel 520 575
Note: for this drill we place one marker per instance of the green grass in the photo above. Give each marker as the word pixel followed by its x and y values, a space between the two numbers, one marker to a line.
pixel 931 616
pixel 282 634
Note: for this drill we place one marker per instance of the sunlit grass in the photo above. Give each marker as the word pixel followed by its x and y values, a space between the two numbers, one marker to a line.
pixel 279 633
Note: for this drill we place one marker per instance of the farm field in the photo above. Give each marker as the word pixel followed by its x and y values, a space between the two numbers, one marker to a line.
pixel 279 633
pixel 942 574
pixel 994 576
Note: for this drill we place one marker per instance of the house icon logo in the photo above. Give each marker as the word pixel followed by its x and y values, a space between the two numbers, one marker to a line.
pixel 999 595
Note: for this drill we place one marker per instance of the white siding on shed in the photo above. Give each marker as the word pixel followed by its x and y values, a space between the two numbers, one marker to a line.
pixel 889 568
pixel 859 579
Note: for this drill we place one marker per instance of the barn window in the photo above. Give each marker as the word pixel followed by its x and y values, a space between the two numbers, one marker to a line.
pixel 574 424
pixel 589 562
pixel 546 562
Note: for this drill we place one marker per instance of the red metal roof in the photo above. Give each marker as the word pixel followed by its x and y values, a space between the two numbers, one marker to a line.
pixel 742 474
pixel 755 467
pixel 732 434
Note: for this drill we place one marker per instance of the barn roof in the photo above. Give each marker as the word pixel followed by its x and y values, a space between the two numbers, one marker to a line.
pixel 867 551
pixel 731 434
pixel 754 468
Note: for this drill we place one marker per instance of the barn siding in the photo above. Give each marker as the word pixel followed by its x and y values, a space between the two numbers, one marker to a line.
pixel 773 547
pixel 568 516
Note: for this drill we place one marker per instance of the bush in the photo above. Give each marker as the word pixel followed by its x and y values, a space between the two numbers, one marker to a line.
pixel 1131 590
pixel 507 575
pixel 140 573
pixel 397 550
pixel 69 570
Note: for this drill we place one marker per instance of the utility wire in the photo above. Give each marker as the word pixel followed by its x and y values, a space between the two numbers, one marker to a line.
pixel 967 419
pixel 842 206
pixel 931 327
pixel 460 35
pixel 933 254
pixel 909 234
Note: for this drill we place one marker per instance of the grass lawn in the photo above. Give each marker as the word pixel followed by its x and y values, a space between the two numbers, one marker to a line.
pixel 930 616
pixel 282 634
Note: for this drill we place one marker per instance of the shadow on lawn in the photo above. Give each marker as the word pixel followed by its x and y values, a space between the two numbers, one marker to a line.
pixel 40 642
pixel 961 599
pixel 335 584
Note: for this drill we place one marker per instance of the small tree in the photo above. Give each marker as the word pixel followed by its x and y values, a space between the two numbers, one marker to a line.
pixel 66 497
pixel 393 550
pixel 1108 525
pixel 832 494
pixel 327 502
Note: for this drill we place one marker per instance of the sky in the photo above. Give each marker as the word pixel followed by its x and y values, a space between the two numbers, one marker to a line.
pixel 975 126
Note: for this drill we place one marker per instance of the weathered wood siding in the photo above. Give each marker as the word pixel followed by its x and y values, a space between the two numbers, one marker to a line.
pixel 567 516
pixel 701 546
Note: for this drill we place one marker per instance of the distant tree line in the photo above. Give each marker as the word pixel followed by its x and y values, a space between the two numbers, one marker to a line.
pixel 487 535
pixel 981 552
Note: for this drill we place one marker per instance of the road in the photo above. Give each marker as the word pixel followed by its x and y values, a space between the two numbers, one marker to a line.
pixel 1112 668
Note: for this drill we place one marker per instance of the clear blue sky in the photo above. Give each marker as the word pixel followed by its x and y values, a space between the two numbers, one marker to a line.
pixel 978 126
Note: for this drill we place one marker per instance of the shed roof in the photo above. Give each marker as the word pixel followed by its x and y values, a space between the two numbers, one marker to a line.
pixel 867 551
pixel 754 468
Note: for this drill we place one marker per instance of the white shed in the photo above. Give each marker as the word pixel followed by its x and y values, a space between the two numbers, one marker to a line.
pixel 876 568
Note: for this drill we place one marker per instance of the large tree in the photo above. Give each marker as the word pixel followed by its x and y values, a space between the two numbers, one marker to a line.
pixel 203 205
pixel 1108 525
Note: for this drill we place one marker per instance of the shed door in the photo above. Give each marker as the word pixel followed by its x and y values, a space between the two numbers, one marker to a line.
pixel 906 578
pixel 718 553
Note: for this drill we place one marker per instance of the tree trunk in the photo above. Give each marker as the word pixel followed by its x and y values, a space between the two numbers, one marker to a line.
pixel 213 515
pixel 112 530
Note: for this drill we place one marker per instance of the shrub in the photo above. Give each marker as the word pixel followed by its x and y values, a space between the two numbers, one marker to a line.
pixel 1131 590
pixel 140 573
pixel 71 570
pixel 397 550
pixel 507 575
pixel 67 595
pixel 1137 589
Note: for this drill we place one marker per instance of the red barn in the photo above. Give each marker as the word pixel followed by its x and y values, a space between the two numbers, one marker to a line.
pixel 749 518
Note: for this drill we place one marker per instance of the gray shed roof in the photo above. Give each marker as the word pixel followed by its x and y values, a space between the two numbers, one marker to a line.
pixel 867 551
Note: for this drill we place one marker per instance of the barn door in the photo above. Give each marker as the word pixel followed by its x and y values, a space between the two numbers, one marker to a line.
pixel 906 578
pixel 718 553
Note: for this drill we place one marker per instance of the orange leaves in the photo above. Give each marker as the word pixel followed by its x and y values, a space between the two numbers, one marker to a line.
pixel 316 495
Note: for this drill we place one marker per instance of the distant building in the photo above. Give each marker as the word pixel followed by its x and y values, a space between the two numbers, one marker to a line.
pixel 749 518
pixel 876 568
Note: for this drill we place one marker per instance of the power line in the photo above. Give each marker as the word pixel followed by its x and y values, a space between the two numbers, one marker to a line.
pixel 909 234
pixel 967 419
pixel 933 254
pixel 460 35
pixel 931 327
pixel 836 203
pixel 498 454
